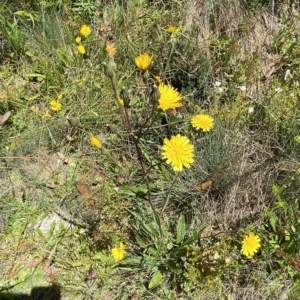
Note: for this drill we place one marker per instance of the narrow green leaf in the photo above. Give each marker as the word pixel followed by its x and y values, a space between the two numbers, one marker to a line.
pixel 140 241
pixel 180 229
pixel 155 280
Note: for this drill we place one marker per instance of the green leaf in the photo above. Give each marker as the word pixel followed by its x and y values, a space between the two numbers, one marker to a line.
pixel 132 261
pixel 192 238
pixel 174 267
pixel 102 257
pixel 155 280
pixel 295 292
pixel 140 241
pixel 180 229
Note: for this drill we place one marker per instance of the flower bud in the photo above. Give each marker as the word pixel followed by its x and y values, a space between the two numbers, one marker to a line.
pixel 154 95
pixel 125 97
pixel 108 71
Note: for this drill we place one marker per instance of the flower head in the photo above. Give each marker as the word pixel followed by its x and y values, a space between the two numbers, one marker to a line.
pixel 78 40
pixel 111 50
pixel 95 142
pixel 81 49
pixel 143 61
pixel 297 138
pixel 172 29
pixel 169 97
pixel 55 105
pixel 46 116
pixel 250 245
pixel 178 152
pixel 85 30
pixel 118 253
pixel 202 121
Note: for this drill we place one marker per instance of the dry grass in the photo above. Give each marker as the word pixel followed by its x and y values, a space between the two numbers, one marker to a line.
pixel 213 18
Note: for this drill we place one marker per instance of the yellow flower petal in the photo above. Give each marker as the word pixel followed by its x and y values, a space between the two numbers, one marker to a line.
pixel 143 61
pixel 202 121
pixel 85 30
pixel 250 244
pixel 118 253
pixel 169 97
pixel 111 50
pixel 172 29
pixel 55 105
pixel 95 142
pixel 46 116
pixel 81 49
pixel 78 40
pixel 158 79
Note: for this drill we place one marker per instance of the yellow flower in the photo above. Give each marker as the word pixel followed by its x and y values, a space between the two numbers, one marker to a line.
pixel 34 109
pixel 143 61
pixel 55 105
pixel 158 79
pixel 297 138
pixel 172 29
pixel 85 30
pixel 95 142
pixel 78 40
pixel 59 97
pixel 46 116
pixel 202 121
pixel 250 245
pixel 118 253
pixel 169 97
pixel 178 152
pixel 121 101
pixel 81 49
pixel 110 49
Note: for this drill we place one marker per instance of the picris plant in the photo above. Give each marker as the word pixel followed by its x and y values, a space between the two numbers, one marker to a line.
pixel 164 248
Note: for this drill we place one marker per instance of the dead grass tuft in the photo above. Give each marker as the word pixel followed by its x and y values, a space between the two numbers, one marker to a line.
pixel 209 18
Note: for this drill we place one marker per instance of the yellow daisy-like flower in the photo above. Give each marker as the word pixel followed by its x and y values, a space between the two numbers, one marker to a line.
pixel 169 97
pixel 55 105
pixel 118 253
pixel 121 101
pixel 85 30
pixel 250 245
pixel 95 142
pixel 172 29
pixel 143 61
pixel 178 152
pixel 78 40
pixel 81 49
pixel 202 121
pixel 110 49
pixel 46 116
